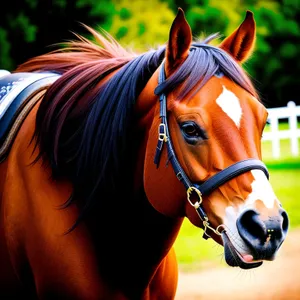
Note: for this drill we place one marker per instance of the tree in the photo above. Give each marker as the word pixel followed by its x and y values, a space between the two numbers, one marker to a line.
pixel 31 27
pixel 141 24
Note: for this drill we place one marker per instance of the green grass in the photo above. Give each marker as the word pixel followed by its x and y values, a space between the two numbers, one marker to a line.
pixel 285 183
pixel 193 252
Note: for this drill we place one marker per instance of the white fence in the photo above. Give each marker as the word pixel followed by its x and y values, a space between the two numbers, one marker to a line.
pixel 290 112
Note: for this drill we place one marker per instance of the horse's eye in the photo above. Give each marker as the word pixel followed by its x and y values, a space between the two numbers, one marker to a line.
pixel 190 129
pixel 192 133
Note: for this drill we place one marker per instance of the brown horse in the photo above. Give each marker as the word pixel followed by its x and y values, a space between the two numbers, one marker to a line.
pixel 115 150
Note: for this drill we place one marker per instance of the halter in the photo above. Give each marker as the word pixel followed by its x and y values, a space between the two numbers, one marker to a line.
pixel 200 189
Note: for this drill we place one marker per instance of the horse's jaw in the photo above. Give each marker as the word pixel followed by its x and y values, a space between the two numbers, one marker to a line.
pixel 234 258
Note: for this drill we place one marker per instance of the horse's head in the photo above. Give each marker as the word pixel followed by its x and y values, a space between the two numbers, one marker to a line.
pixel 210 125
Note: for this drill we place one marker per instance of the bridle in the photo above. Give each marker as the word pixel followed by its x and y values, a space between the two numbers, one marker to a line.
pixel 204 188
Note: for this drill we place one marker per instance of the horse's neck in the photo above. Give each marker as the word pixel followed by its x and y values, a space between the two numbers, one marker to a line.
pixel 132 240
pixel 162 230
pixel 137 237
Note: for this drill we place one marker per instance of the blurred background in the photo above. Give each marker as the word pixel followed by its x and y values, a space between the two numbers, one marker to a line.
pixel 32 27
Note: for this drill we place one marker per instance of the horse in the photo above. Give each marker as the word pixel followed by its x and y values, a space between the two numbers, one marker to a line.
pixel 107 152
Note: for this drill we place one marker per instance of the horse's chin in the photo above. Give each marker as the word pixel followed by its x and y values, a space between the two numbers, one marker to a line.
pixel 234 258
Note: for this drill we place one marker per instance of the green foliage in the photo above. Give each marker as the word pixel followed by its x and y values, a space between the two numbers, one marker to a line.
pixel 274 63
pixel 140 24
pixel 31 3
pixel 33 26
pixel 30 27
pixel 17 31
pixel 5 59
pixel 102 11
pixel 22 23
pixel 204 22
pixel 60 3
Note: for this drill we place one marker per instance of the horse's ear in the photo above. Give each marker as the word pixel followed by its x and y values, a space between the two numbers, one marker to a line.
pixel 241 42
pixel 179 43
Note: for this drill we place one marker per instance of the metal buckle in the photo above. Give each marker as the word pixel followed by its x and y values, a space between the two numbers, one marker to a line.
pixel 189 191
pixel 162 136
pixel 206 224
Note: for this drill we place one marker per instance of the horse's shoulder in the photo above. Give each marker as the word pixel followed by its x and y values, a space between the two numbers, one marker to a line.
pixel 33 194
pixel 36 227
pixel 164 283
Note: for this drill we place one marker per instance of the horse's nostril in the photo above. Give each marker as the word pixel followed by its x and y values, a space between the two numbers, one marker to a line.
pixel 250 224
pixel 285 222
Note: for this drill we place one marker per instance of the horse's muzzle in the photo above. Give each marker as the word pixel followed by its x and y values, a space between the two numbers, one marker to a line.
pixel 261 236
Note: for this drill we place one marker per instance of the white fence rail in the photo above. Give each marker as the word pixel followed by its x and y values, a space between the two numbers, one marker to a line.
pixel 290 112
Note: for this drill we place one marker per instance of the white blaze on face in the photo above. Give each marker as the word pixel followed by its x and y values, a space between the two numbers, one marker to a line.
pixel 262 191
pixel 230 104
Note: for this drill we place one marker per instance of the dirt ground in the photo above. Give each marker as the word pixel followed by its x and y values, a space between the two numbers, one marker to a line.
pixel 279 279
